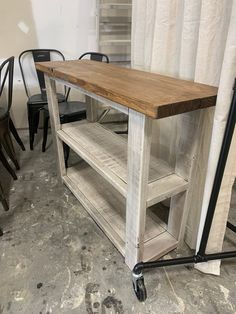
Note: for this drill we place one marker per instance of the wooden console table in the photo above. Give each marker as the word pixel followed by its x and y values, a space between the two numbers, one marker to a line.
pixel 117 181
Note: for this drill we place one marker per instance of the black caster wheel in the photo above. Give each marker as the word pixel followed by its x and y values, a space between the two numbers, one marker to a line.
pixel 140 289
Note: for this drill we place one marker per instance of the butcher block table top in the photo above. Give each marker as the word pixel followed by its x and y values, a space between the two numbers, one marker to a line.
pixel 156 96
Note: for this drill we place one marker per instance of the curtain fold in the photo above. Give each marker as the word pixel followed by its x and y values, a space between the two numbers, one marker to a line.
pixel 193 40
pixel 226 79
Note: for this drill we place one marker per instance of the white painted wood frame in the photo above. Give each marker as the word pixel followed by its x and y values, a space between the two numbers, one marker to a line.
pixel 139 149
pixel 55 123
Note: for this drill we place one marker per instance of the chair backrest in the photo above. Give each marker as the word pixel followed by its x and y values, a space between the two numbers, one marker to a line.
pixel 6 82
pixel 37 55
pixel 96 56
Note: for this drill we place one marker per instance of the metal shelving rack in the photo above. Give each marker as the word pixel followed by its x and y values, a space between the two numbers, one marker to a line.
pixel 114 29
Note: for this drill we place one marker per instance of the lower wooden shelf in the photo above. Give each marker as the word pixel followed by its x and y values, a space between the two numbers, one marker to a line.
pixel 107 207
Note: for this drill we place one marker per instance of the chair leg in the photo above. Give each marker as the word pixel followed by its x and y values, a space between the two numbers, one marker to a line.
pixel 45 133
pixel 15 134
pixel 1 232
pixel 36 120
pixel 31 136
pixel 7 166
pixel 31 127
pixel 3 200
pixel 63 119
pixel 67 156
pixel 5 205
pixel 8 146
pixel 66 153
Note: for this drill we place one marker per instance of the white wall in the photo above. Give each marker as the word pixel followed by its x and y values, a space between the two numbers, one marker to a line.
pixel 69 26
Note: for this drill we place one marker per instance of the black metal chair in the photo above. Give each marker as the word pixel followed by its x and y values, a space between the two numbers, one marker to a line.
pixel 3 199
pixel 4 204
pixel 6 124
pixel 71 111
pixel 97 56
pixel 36 101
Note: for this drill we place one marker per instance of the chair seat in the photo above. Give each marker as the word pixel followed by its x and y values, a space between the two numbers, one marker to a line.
pixel 70 108
pixel 41 99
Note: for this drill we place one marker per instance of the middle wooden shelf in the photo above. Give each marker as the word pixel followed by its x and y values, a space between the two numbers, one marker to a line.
pixel 106 152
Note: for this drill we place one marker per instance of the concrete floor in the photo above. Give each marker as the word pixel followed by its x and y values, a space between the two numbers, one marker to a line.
pixel 55 259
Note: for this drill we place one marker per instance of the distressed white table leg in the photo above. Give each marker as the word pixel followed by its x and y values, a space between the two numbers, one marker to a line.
pixel 139 144
pixel 55 123
pixel 92 109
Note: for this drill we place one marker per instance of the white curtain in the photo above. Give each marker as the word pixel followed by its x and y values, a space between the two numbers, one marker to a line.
pixel 194 40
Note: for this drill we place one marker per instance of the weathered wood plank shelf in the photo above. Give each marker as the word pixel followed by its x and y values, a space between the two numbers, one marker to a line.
pixel 107 153
pixel 118 180
pixel 107 207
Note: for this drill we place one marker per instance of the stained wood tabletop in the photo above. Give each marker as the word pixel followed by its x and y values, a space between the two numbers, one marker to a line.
pixel 157 96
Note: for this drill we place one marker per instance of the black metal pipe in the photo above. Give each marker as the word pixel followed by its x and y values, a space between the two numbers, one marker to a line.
pixel 183 260
pixel 229 130
pixel 168 262
pixel 231 226
pixel 221 255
